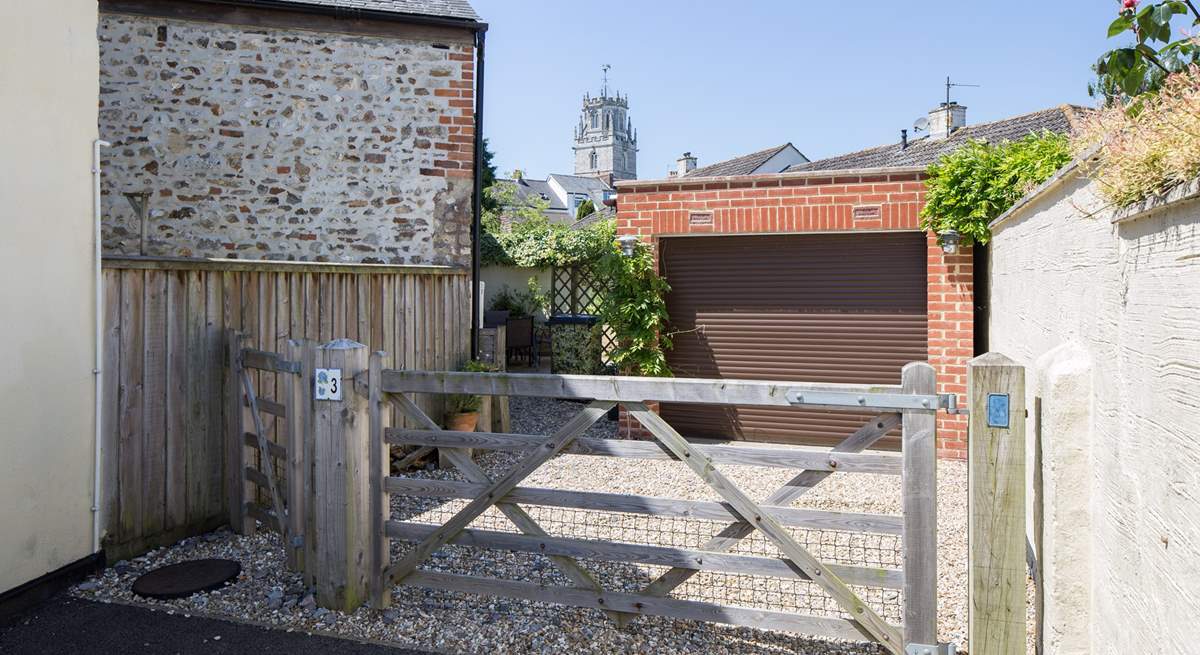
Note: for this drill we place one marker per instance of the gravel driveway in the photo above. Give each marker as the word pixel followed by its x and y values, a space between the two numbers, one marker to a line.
pixel 463 623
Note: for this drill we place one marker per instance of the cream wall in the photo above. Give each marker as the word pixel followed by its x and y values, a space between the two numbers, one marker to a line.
pixel 1107 316
pixel 49 69
pixel 495 278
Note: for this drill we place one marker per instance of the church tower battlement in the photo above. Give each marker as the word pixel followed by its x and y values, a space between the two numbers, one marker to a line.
pixel 605 141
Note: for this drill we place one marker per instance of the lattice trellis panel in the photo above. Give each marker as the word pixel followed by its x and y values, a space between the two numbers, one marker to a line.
pixel 575 290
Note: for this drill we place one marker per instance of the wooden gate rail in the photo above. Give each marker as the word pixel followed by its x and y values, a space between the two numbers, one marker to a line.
pixel 284 416
pixel 911 405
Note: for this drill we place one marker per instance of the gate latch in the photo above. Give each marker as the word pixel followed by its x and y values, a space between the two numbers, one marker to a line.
pixel 927 649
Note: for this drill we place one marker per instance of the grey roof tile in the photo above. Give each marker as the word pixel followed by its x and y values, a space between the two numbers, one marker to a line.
pixel 744 165
pixel 440 8
pixel 925 151
pixel 527 187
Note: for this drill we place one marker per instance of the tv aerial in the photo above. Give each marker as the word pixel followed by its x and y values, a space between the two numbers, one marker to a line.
pixel 922 123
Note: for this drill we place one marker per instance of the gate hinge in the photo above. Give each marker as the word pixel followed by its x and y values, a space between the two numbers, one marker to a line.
pixel 949 403
pixel 927 649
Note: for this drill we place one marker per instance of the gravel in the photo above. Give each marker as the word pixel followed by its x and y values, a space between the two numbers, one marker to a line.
pixel 267 593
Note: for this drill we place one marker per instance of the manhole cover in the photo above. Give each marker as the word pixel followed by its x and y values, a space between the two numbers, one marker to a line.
pixel 187 578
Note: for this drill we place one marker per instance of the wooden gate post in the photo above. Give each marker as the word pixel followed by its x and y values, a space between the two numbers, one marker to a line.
pixel 298 395
pixel 237 489
pixel 996 506
pixel 919 452
pixel 340 500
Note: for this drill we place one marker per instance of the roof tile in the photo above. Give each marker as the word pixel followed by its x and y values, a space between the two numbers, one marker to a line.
pixel 439 8
pixel 925 151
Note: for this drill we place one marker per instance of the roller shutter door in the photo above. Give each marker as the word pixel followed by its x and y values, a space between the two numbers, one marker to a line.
pixel 810 308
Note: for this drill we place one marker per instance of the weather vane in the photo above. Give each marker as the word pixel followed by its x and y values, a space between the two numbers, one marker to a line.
pixel 604 87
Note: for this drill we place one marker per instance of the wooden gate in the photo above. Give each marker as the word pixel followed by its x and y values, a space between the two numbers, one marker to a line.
pixel 342 486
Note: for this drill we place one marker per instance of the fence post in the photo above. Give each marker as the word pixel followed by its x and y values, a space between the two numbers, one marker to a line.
pixel 380 500
pixel 237 489
pixel 919 453
pixel 996 506
pixel 298 397
pixel 341 494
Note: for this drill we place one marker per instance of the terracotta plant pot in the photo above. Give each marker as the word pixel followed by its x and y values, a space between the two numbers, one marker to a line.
pixel 464 422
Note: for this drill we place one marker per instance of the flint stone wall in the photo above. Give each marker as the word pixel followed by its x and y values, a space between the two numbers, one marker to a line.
pixel 285 144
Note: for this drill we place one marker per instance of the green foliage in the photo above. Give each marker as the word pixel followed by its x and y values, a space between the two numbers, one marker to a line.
pixel 530 302
pixel 461 403
pixel 635 308
pixel 586 208
pixel 528 239
pixel 577 349
pixel 973 185
pixel 1141 67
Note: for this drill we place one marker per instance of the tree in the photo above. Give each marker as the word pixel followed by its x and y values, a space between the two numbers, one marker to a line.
pixel 489 202
pixel 1126 72
pixel 585 209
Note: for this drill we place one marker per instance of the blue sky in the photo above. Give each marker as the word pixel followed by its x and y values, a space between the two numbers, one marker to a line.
pixel 724 78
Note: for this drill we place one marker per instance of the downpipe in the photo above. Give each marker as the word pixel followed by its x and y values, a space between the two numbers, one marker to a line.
pixel 97 366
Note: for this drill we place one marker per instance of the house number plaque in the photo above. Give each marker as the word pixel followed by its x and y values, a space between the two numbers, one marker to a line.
pixel 328 384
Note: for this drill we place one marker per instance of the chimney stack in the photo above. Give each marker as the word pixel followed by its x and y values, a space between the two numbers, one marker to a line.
pixel 685 164
pixel 903 139
pixel 948 117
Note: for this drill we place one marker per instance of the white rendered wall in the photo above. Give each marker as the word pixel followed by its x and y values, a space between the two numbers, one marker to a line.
pixel 1121 302
pixel 49 64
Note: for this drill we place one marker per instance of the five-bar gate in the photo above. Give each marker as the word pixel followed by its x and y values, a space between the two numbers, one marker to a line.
pixel 349 531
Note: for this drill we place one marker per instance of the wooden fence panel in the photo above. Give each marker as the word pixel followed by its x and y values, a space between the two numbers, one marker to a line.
pixel 165 389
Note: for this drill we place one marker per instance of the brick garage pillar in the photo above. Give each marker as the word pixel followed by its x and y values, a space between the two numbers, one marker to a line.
pixel 951 337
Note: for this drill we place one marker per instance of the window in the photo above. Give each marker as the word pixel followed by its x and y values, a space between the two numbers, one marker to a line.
pixel 607 120
pixel 595 120
pixel 592 160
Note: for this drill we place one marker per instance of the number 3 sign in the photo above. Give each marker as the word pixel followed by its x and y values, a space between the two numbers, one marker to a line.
pixel 329 384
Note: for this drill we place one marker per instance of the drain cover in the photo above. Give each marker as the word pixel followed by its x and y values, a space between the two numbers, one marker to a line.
pixel 187 578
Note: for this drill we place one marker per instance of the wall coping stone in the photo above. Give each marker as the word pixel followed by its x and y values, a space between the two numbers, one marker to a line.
pixel 273 265
pixel 1156 203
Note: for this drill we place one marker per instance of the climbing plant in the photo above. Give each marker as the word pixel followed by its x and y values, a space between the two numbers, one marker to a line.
pixel 518 233
pixel 971 186
pixel 636 311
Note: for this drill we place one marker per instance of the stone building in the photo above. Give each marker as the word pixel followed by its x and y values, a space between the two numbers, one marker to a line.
pixel 605 141
pixel 312 130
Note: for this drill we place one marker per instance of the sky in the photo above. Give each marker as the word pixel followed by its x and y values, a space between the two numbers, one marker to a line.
pixel 721 79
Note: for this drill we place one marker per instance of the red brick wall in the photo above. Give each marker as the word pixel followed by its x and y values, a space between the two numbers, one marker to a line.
pixel 807 202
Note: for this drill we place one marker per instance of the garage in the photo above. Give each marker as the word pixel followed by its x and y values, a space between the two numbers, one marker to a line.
pixel 847 307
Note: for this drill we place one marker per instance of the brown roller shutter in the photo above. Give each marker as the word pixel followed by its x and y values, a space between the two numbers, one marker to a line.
pixel 808 308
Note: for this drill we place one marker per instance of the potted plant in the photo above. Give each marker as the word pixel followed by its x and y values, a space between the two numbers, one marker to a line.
pixel 462 410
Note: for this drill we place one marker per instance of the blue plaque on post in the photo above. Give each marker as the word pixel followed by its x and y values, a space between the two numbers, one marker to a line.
pixel 997 410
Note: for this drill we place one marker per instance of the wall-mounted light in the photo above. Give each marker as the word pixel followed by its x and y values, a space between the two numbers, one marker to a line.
pixel 628 243
pixel 950 240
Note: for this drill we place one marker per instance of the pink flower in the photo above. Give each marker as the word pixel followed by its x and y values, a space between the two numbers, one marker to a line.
pixel 1129 4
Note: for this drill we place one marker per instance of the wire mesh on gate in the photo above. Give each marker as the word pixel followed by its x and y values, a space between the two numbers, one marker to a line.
pixel 764 592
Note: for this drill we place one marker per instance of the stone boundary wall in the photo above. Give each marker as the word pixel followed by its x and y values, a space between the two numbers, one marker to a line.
pixel 1103 306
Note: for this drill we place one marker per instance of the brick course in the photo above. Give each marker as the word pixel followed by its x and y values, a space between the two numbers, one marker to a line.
pixel 823 202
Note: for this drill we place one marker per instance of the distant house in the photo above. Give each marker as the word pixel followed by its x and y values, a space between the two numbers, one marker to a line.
pixel 768 160
pixel 563 193
pixel 817 271
pixel 924 150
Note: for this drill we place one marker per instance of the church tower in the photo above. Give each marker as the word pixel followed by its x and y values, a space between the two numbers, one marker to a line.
pixel 605 141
